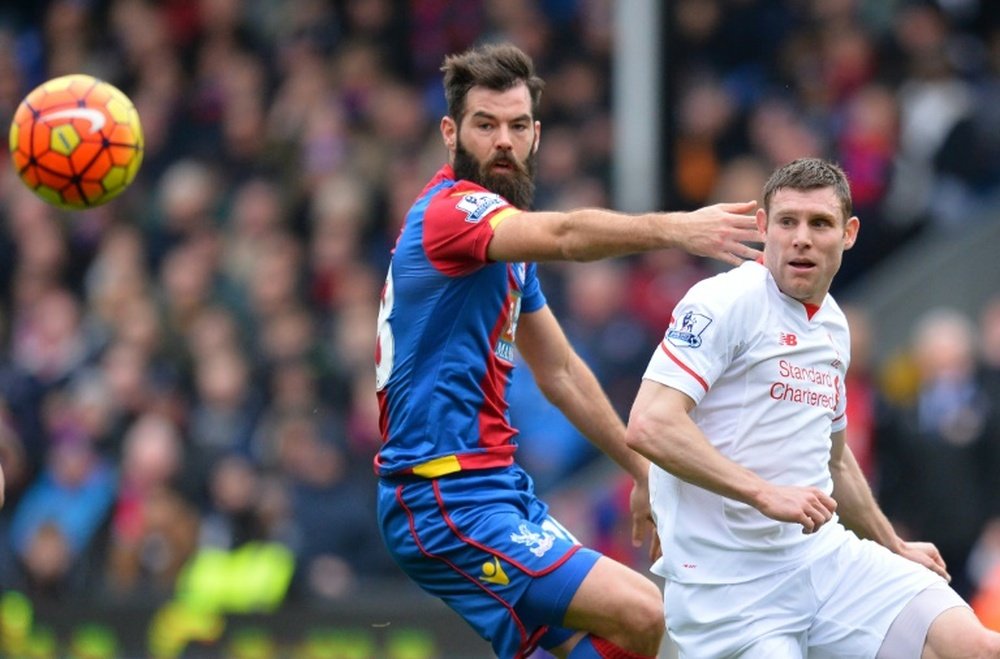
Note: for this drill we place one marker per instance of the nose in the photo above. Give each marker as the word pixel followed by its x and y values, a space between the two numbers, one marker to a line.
pixel 802 237
pixel 503 138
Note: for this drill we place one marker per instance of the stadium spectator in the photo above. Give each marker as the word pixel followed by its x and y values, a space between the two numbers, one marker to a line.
pixel 154 528
pixel 230 518
pixel 56 527
pixel 227 405
pixel 334 545
pixel 940 452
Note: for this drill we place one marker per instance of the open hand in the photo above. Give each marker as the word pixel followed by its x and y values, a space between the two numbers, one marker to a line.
pixel 927 555
pixel 720 231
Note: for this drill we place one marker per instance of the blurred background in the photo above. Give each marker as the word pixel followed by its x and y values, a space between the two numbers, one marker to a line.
pixel 187 418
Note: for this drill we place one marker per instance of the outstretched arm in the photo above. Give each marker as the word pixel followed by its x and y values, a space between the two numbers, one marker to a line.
pixel 860 512
pixel 660 429
pixel 569 384
pixel 717 231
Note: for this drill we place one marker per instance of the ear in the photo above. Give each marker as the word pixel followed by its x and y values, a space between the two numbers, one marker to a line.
pixel 449 133
pixel 538 136
pixel 851 229
pixel 761 222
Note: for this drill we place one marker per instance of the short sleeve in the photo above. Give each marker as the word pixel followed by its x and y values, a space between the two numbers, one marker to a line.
pixel 700 342
pixel 458 226
pixel 532 298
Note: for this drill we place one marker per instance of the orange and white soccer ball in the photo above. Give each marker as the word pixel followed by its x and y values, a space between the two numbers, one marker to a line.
pixel 76 141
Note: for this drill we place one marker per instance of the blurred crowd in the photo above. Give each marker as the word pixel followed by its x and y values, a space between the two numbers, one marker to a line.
pixel 190 367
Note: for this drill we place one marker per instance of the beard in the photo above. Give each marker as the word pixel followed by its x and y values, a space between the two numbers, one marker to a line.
pixel 516 186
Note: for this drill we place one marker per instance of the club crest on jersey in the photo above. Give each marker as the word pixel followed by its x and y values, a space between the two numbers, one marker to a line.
pixel 688 335
pixel 537 543
pixel 477 205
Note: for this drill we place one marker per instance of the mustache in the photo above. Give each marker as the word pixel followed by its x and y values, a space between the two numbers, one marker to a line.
pixel 504 158
pixel 515 183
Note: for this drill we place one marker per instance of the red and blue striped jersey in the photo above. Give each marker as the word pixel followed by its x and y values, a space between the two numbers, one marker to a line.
pixel 446 330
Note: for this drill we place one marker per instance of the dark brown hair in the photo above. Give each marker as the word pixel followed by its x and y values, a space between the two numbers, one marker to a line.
pixel 810 174
pixel 495 66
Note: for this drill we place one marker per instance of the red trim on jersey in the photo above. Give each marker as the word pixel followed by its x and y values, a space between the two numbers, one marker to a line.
pixel 811 309
pixel 494 430
pixel 383 415
pixel 468 577
pixel 489 550
pixel 684 367
pixel 496 456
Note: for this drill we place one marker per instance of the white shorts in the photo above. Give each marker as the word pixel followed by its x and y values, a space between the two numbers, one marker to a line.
pixel 838 606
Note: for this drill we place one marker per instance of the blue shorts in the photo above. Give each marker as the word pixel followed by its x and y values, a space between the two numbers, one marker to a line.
pixel 485 544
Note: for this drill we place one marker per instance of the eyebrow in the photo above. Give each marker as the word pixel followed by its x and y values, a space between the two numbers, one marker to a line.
pixel 809 215
pixel 481 114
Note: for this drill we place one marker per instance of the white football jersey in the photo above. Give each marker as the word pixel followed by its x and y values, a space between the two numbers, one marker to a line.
pixel 767 374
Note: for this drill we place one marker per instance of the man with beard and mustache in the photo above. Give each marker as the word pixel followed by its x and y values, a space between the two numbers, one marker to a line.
pixel 457 513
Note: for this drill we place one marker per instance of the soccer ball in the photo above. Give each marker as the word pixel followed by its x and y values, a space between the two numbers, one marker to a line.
pixel 76 141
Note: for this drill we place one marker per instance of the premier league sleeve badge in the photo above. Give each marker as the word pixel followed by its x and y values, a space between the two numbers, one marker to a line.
pixel 687 333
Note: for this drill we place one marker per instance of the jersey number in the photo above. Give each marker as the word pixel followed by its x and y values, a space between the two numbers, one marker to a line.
pixel 385 343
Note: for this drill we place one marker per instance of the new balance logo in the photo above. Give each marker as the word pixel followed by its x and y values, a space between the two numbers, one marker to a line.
pixel 788 339
pixel 493 573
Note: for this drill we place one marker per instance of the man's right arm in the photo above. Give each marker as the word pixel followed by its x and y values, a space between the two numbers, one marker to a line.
pixel 588 234
pixel 660 429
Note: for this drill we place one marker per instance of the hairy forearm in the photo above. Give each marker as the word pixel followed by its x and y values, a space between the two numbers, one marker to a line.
pixel 589 234
pixel 719 231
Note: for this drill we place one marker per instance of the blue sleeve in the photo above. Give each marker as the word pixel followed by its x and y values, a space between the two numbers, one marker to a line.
pixel 533 298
